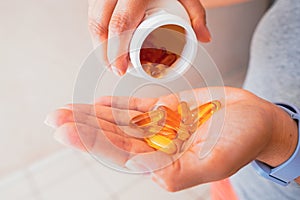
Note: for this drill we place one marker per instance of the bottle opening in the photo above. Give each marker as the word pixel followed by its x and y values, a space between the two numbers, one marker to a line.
pixel 162 49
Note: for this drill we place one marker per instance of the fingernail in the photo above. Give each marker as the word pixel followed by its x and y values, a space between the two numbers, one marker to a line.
pixel 67 107
pixel 50 120
pixel 61 137
pixel 204 34
pixel 122 72
pixel 158 180
pixel 136 166
pixel 116 71
pixel 208 34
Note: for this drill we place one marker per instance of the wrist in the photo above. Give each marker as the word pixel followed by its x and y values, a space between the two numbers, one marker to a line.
pixel 284 165
pixel 283 139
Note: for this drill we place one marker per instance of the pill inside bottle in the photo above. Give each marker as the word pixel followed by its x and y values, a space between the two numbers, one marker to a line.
pixel 161 50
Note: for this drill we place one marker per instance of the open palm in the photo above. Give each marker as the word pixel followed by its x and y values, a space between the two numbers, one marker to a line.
pixel 103 129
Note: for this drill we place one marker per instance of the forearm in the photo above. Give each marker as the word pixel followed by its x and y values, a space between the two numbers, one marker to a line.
pixel 283 139
pixel 217 3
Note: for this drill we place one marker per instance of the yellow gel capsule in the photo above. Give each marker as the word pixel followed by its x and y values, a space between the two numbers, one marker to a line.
pixel 204 118
pixel 193 127
pixel 148 118
pixel 162 143
pixel 147 68
pixel 217 105
pixel 160 67
pixel 169 59
pixel 171 124
pixel 183 134
pixel 185 113
pixel 205 111
pixel 169 134
pixel 162 130
pixel 172 118
pixel 154 129
pixel 205 108
pixel 155 73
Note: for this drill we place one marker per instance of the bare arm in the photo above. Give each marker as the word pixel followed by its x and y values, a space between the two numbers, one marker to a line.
pixel 217 3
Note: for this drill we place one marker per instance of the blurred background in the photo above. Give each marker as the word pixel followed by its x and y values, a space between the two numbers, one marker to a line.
pixel 42 45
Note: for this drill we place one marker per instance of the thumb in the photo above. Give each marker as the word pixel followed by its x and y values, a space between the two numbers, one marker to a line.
pixel 125 18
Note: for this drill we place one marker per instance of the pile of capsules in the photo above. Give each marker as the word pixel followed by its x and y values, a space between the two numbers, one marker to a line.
pixel 155 62
pixel 170 130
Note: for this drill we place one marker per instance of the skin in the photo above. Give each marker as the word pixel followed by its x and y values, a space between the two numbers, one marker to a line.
pixel 253 129
pixel 109 18
pixel 218 3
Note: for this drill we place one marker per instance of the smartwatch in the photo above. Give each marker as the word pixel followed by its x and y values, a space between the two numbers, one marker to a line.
pixel 290 169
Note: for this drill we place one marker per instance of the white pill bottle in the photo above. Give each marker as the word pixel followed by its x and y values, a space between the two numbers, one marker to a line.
pixel 166 25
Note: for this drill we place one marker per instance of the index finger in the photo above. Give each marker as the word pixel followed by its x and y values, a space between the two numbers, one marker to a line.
pixel 125 18
pixel 128 103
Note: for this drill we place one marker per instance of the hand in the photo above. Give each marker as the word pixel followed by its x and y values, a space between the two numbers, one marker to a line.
pixel 252 129
pixel 108 18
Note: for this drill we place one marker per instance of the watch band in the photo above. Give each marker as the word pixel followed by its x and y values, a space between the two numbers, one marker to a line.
pixel 290 169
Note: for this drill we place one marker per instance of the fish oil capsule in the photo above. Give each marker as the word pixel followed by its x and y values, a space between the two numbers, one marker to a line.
pixel 147 67
pixel 155 73
pixel 205 117
pixel 172 118
pixel 217 105
pixel 164 52
pixel 206 108
pixel 158 71
pixel 162 143
pixel 183 134
pixel 169 132
pixel 161 67
pixel 164 131
pixel 192 127
pixel 169 113
pixel 168 59
pixel 156 129
pixel 171 124
pixel 185 113
pixel 166 127
pixel 154 55
pixel 205 111
pixel 143 57
pixel 148 118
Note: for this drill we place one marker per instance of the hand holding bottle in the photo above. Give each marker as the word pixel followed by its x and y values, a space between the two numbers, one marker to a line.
pixel 108 18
